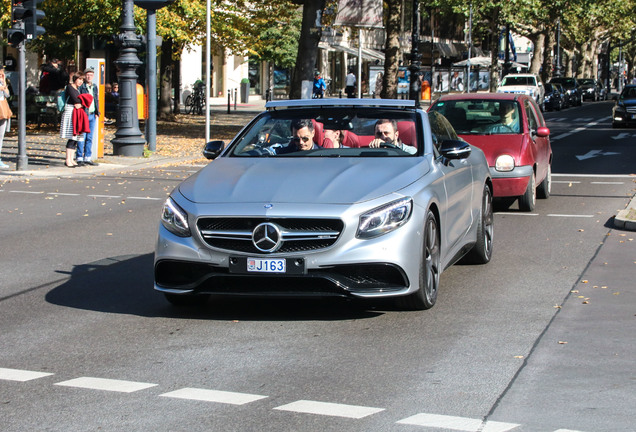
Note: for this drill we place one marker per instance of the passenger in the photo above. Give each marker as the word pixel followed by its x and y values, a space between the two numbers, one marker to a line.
pixel 386 132
pixel 333 138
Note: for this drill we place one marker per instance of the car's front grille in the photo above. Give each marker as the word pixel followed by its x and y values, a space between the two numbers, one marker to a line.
pixel 297 234
pixel 631 109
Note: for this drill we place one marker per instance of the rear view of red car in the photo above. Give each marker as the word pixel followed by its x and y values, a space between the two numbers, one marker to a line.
pixel 511 131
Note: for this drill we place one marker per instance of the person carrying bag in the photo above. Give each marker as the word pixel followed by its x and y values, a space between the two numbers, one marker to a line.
pixel 5 112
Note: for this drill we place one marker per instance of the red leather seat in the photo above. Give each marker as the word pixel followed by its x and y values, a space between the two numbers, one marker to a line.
pixel 319 135
pixel 407 135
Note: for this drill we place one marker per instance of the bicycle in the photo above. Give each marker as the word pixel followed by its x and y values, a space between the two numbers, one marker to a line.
pixel 195 103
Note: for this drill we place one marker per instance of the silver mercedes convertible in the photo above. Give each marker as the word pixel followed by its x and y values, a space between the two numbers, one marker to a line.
pixel 358 198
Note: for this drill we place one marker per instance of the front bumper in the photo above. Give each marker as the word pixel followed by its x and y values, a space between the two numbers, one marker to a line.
pixel 510 183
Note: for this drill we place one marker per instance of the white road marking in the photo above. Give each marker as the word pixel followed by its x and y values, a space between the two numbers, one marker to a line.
pixel 569 215
pixel 517 214
pixel 567 430
pixel 21 375
pixel 105 196
pixel 62 194
pixel 329 409
pixel 565 181
pixel 213 396
pixel 629 176
pixel 28 192
pixel 106 384
pixel 578 129
pixel 457 423
pixel 145 198
pixel 608 183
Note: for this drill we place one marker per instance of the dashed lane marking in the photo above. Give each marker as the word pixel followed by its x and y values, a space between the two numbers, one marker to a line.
pixel 106 384
pixel 21 375
pixel 569 215
pixel 329 409
pixel 105 196
pixel 457 423
pixel 608 183
pixel 145 198
pixel 213 396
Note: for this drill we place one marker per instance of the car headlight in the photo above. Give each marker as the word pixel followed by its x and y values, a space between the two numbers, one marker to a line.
pixel 505 163
pixel 385 218
pixel 175 219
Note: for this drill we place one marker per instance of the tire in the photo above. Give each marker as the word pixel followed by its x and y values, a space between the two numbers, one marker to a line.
pixel 430 270
pixel 544 189
pixel 186 299
pixel 189 104
pixel 481 253
pixel 528 200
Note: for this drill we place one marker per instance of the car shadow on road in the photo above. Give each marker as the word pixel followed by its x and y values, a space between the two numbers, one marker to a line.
pixel 124 285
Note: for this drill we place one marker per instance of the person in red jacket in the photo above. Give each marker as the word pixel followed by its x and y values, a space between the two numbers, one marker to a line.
pixel 73 103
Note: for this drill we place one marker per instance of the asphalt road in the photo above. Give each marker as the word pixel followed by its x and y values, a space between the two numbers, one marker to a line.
pixel 540 339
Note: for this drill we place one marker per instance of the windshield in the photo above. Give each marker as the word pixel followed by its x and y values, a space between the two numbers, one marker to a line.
pixel 330 132
pixel 518 80
pixel 628 93
pixel 586 81
pixel 566 82
pixel 481 116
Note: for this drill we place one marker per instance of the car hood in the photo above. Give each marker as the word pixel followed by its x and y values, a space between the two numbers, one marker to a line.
pixel 627 102
pixel 301 180
pixel 494 146
pixel 516 88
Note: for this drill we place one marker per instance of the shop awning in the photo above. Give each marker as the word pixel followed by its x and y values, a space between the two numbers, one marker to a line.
pixel 367 54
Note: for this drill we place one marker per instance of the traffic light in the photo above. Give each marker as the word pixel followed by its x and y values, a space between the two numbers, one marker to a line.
pixel 24 18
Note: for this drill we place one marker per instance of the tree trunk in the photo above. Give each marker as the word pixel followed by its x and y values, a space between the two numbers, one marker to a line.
pixel 538 42
pixel 164 108
pixel 307 46
pixel 392 50
pixel 548 55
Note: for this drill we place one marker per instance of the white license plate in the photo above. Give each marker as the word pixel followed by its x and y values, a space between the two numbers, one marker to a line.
pixel 266 265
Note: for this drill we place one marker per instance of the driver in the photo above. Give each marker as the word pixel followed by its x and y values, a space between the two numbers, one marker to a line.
pixel 386 132
pixel 509 119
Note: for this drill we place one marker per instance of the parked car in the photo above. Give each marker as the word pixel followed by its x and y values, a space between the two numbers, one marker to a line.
pixel 590 89
pixel 624 110
pixel 553 100
pixel 528 84
pixel 373 217
pixel 511 131
pixel 573 89
pixel 565 96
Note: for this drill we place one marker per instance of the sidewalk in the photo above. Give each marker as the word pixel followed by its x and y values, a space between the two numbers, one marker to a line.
pixel 178 141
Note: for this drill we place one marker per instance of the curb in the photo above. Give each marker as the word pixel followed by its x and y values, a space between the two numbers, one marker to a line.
pixel 106 165
pixel 626 219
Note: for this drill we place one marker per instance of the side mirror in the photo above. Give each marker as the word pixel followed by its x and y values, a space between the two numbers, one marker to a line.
pixel 213 149
pixel 543 132
pixel 455 149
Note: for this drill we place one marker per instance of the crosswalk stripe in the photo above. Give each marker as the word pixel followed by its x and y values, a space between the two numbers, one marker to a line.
pixel 213 396
pixel 106 384
pixel 20 375
pixel 457 423
pixel 329 409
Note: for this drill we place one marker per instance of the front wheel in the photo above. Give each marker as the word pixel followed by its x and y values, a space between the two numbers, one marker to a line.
pixel 426 295
pixel 528 200
pixel 189 104
pixel 481 253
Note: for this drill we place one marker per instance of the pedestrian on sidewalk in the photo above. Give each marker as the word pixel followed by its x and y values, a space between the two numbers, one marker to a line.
pixel 85 148
pixel 4 122
pixel 350 84
pixel 67 129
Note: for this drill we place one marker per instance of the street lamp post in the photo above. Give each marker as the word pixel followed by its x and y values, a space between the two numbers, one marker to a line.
pixel 415 87
pixel 128 140
pixel 151 7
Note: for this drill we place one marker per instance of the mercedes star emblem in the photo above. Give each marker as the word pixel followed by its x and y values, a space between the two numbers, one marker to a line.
pixel 267 237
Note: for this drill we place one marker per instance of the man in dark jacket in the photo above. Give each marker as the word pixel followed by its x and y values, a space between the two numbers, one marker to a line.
pixel 85 149
pixel 53 77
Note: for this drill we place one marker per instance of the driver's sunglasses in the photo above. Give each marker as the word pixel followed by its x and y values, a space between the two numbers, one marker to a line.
pixel 297 139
